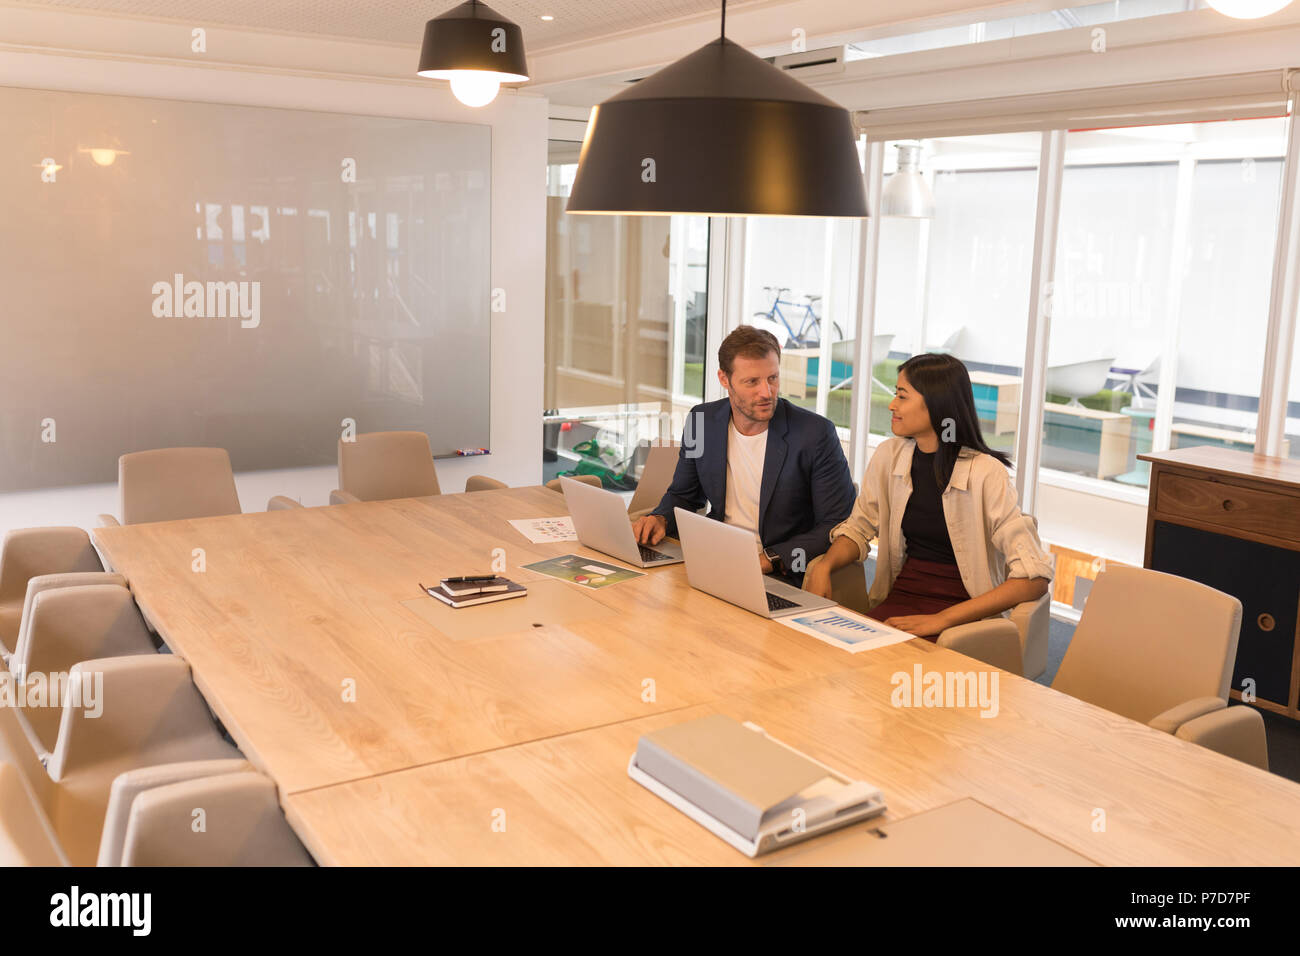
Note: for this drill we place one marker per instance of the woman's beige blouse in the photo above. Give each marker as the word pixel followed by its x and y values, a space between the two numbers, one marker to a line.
pixel 991 538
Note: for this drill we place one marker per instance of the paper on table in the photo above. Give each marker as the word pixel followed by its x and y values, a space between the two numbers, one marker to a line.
pixel 545 530
pixel 577 569
pixel 845 629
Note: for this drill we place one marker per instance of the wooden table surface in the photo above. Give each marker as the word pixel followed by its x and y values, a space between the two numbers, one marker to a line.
pixel 292 604
pixel 514 749
pixel 1104 786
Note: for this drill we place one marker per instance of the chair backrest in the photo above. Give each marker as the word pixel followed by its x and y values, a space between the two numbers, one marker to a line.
pixel 382 465
pixel 593 480
pixel 169 484
pixel 1148 641
pixel 31 552
pixel 656 476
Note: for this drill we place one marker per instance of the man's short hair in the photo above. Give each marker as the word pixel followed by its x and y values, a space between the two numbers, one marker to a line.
pixel 749 342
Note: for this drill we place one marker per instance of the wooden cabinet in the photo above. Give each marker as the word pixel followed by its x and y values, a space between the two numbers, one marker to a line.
pixel 1231 519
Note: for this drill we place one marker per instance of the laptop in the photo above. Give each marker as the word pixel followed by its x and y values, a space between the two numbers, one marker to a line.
pixel 602 524
pixel 722 560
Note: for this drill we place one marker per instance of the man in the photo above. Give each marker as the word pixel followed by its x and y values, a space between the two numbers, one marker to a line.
pixel 760 462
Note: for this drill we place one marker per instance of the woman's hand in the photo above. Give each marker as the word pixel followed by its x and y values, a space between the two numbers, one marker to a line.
pixel 922 625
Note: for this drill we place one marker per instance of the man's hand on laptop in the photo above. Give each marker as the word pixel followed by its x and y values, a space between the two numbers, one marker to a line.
pixel 762 559
pixel 650 529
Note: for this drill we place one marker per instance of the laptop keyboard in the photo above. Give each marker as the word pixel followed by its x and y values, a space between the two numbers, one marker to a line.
pixel 650 554
pixel 775 603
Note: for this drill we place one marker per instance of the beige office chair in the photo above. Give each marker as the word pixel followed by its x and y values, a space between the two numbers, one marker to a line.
pixel 150 818
pixel 378 466
pixel 243 825
pixel 656 476
pixel 483 483
pixel 149 713
pixel 66 626
pixel 1160 649
pixel 37 552
pixel 595 482
pixel 169 484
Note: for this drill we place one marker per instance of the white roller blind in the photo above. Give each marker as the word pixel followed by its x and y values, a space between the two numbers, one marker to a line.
pixel 1238 96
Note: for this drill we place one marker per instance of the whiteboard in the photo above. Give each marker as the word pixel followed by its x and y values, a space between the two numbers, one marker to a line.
pixel 180 273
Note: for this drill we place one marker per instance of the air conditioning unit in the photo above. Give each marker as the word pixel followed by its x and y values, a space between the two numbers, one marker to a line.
pixel 812 62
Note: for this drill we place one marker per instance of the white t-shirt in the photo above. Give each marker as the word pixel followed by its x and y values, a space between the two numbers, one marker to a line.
pixel 745 454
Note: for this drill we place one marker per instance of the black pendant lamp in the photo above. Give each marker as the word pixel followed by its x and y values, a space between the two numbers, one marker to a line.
pixel 477 49
pixel 719 132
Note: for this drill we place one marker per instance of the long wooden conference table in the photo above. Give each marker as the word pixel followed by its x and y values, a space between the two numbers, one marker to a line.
pixel 399 731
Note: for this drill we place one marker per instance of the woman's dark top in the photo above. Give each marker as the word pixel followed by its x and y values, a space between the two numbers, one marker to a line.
pixel 925 530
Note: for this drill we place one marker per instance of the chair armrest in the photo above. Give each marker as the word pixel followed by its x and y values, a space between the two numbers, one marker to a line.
pixel 243 825
pixel 1236 732
pixel 142 710
pixel 282 503
pixel 108 521
pixel 340 497
pixel 483 483
pixel 126 786
pixel 995 641
pixel 1175 717
pixel 1033 619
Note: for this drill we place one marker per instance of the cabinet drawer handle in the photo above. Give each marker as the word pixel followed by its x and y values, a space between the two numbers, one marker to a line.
pixel 1227 504
pixel 1265 622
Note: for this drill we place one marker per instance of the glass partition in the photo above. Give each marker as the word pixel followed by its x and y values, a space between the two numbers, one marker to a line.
pixel 626 307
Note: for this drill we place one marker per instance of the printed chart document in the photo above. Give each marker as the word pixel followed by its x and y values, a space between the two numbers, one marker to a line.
pixel 845 629
pixel 545 530
pixel 587 572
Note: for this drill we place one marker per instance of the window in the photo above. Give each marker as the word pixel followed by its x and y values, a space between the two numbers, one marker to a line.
pixel 1163 273
pixel 626 306
pixel 797 286
pixel 959 282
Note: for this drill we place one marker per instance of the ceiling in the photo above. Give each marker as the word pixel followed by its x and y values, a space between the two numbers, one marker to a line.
pixel 402 21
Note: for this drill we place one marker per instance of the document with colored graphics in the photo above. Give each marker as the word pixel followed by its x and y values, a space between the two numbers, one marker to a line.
pixel 845 629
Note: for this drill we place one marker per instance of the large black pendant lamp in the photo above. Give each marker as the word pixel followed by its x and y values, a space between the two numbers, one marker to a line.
pixel 719 132
pixel 477 49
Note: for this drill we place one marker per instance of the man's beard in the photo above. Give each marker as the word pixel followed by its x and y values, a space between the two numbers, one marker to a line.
pixel 758 413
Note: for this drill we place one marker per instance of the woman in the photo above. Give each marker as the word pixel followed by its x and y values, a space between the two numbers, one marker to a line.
pixel 953 546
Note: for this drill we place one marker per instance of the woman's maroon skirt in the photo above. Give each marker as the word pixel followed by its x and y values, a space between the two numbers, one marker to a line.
pixel 922 587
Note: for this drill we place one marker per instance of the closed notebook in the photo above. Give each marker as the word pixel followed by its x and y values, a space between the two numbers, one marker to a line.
pixel 512 590
pixel 733 774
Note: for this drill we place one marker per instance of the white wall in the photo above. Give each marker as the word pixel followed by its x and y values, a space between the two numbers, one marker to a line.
pixel 519 131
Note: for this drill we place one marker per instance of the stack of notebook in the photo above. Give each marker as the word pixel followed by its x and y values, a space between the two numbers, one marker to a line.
pixel 468 591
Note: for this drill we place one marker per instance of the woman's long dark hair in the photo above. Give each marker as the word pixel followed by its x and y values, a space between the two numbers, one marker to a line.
pixel 945 385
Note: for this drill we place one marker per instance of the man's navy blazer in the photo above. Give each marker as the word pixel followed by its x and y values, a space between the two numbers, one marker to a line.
pixel 806 488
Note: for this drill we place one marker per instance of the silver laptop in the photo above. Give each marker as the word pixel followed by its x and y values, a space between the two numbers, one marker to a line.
pixel 602 524
pixel 722 560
